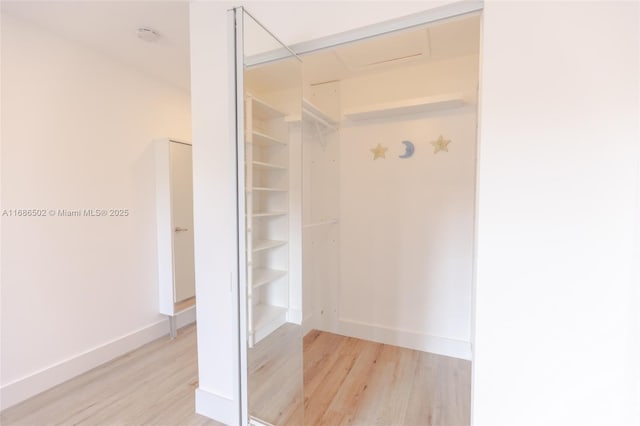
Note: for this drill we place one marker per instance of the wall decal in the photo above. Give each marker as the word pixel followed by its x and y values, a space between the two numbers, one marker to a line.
pixel 410 149
pixel 379 152
pixel 440 145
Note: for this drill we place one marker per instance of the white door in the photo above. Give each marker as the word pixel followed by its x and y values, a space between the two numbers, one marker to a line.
pixel 182 221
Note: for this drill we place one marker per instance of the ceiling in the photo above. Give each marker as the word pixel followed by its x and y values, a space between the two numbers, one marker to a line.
pixel 433 42
pixel 110 28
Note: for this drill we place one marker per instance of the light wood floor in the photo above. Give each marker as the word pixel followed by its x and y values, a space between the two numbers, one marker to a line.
pixel 346 381
pixel 275 372
pixel 349 381
pixel 151 385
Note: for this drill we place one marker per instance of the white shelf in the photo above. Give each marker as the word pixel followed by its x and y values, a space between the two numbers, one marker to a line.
pixel 262 276
pixel 266 142
pixel 263 139
pixel 266 319
pixel 313 113
pixel 264 189
pixel 267 166
pixel 411 106
pixel 260 245
pixel 321 223
pixel 264 110
pixel 269 214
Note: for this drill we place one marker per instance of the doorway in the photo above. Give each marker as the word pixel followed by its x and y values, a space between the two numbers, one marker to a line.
pixel 376 187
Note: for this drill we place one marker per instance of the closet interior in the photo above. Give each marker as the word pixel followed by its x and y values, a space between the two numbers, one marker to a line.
pixel 359 173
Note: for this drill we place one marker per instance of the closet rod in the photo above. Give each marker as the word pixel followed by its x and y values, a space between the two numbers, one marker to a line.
pixel 318 119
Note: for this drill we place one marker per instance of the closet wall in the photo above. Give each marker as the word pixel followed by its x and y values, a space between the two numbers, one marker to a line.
pixel 397 267
pixel 321 209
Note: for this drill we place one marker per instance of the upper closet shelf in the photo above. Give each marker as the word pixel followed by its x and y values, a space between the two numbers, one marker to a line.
pixel 411 106
pixel 313 113
pixel 263 110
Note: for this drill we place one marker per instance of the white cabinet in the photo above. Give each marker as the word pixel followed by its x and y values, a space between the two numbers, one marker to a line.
pixel 174 227
pixel 267 221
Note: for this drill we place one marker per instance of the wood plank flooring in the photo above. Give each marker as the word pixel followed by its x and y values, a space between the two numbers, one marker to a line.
pixel 347 381
pixel 275 372
pixel 153 385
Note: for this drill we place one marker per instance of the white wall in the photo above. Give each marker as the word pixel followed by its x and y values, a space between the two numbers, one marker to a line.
pixel 76 133
pixel 559 151
pixel 321 213
pixel 407 225
pixel 525 335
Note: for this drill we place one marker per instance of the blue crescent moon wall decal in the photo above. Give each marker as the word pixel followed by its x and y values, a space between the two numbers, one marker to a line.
pixel 410 149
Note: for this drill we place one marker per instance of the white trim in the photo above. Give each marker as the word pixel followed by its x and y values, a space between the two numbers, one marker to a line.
pixel 253 421
pixel 405 338
pixel 216 407
pixel 186 317
pixel 294 316
pixel 235 22
pixel 474 268
pixel 40 381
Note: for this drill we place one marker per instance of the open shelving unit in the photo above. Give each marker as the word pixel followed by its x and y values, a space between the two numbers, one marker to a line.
pixel 267 222
pixel 259 245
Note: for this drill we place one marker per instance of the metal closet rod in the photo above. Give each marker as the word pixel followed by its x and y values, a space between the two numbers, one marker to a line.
pixel 316 118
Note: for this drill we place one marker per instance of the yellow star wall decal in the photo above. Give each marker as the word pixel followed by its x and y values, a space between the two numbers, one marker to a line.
pixel 440 145
pixel 379 152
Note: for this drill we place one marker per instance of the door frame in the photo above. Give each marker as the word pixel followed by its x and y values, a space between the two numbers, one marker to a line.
pixel 448 11
pixel 236 52
pixel 236 23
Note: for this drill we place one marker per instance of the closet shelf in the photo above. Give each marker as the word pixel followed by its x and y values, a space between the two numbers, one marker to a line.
pixel 321 223
pixel 264 110
pixel 263 139
pixel 264 189
pixel 411 106
pixel 260 245
pixel 267 166
pixel 269 214
pixel 262 276
pixel 314 114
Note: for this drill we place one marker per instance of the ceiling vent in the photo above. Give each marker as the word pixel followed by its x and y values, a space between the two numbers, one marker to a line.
pixel 405 46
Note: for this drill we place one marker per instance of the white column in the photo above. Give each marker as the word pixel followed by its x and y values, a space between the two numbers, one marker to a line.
pixel 214 213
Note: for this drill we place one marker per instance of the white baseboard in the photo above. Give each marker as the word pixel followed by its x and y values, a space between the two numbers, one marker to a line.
pixel 294 316
pixel 186 317
pixel 19 390
pixel 406 339
pixel 308 324
pixel 217 407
